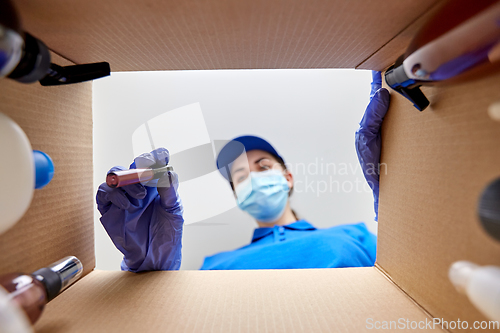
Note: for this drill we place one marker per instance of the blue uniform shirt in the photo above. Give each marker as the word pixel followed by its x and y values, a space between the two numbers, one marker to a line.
pixel 300 245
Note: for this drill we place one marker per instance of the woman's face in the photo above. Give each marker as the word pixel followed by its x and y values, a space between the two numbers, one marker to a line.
pixel 256 161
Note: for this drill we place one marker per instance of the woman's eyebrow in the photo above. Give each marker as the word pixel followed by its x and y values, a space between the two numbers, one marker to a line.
pixel 260 159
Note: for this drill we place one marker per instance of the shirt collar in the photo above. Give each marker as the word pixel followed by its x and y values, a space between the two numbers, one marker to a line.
pixel 298 225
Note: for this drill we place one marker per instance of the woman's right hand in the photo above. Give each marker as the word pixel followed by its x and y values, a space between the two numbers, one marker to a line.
pixel 145 221
pixel 125 196
pixel 168 184
pixel 121 197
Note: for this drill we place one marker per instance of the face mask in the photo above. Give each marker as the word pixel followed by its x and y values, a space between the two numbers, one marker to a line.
pixel 263 195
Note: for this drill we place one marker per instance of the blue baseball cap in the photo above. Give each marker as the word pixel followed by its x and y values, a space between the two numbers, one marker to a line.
pixel 238 146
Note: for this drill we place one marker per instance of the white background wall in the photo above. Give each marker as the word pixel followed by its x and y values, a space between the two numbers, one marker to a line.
pixel 309 116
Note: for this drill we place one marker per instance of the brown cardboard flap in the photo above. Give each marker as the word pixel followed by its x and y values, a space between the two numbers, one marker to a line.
pixel 220 34
pixel 387 54
pixel 59 222
pixel 438 162
pixel 313 300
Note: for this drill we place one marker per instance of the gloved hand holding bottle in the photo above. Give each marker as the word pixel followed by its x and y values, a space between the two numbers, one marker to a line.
pixel 368 136
pixel 145 221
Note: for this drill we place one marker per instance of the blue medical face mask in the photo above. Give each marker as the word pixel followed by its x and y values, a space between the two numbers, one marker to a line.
pixel 263 195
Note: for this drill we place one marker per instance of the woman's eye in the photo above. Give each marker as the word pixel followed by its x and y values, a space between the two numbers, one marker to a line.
pixel 265 167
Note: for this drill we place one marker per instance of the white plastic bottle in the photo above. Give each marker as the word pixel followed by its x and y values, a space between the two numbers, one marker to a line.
pixel 17 173
pixel 480 283
pixel 21 171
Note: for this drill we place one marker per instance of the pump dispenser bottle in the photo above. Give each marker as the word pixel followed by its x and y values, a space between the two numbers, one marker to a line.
pixel 31 292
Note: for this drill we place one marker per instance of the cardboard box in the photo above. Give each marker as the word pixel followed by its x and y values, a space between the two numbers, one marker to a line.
pixel 438 162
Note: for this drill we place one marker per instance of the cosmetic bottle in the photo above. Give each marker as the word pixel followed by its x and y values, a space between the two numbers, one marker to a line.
pixel 22 170
pixel 30 292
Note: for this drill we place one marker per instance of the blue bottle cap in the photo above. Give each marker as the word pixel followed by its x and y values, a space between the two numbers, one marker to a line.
pixel 44 168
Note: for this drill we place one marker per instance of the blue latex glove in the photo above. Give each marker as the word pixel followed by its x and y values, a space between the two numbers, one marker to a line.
pixel 145 222
pixel 368 138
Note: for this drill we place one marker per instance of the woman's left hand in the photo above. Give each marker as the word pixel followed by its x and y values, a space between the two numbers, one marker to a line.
pixel 368 136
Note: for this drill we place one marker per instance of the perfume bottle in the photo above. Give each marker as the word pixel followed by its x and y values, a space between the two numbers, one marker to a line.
pixel 31 292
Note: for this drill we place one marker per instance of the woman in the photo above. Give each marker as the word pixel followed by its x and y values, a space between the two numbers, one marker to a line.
pixel 145 222
pixel 262 185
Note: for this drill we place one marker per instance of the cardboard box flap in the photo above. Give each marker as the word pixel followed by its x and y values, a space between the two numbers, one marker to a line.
pixel 387 54
pixel 438 163
pixel 221 34
pixel 59 222
pixel 313 300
